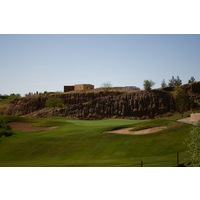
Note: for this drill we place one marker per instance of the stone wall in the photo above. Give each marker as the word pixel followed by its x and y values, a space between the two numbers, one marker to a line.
pixel 133 105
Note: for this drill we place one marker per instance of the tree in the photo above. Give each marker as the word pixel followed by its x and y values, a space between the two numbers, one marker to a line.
pixel 182 100
pixel 191 80
pixel 171 81
pixel 193 144
pixel 14 96
pixel 163 84
pixel 175 82
pixel 106 86
pixel 148 84
pixel 5 130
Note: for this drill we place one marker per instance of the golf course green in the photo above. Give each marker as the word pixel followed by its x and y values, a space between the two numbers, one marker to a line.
pixel 62 142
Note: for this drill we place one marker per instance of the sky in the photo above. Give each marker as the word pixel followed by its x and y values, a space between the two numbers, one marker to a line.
pixel 47 62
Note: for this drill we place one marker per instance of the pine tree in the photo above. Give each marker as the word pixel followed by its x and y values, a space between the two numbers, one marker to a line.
pixel 175 82
pixel 163 84
pixel 192 80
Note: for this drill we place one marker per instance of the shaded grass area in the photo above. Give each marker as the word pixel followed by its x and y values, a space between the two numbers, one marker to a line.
pixel 86 143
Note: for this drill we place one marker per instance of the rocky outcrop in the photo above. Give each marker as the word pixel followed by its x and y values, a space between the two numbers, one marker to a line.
pixel 132 105
pixel 193 90
pixel 98 105
pixel 23 106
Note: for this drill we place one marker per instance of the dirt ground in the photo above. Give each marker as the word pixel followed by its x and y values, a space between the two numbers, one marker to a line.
pixel 27 127
pixel 140 132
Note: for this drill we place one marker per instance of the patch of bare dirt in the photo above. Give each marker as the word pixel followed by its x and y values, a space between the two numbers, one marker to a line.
pixel 140 132
pixel 28 127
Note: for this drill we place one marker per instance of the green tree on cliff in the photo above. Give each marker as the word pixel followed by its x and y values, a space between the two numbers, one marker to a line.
pixel 148 84
pixel 163 84
pixel 175 82
pixel 182 99
pixel 191 80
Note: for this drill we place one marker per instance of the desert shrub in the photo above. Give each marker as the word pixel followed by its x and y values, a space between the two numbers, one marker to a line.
pixel 106 86
pixel 8 133
pixel 54 102
pixel 5 130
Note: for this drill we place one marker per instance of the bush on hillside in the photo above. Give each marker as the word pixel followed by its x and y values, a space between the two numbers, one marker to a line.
pixel 182 100
pixel 54 102
pixel 106 86
pixel 5 130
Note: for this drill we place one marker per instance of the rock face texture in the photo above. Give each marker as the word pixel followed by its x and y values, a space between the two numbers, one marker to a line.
pixel 98 105
pixel 132 105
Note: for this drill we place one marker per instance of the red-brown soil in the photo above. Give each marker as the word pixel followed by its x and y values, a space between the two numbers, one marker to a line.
pixel 27 127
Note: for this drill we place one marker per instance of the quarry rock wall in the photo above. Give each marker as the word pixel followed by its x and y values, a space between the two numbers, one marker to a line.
pixel 103 104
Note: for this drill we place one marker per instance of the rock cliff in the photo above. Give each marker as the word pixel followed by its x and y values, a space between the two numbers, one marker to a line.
pixel 103 104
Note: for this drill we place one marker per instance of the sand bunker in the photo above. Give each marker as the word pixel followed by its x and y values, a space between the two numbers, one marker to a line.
pixel 28 127
pixel 140 132
pixel 193 119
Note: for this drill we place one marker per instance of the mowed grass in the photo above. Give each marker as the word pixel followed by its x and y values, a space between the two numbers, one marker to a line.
pixel 86 143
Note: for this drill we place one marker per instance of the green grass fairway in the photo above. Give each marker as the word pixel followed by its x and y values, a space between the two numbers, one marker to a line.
pixel 86 143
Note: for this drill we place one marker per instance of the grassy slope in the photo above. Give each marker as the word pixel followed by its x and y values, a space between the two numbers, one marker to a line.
pixel 85 143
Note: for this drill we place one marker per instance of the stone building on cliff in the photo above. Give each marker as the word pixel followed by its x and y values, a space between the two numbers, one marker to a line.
pixel 78 87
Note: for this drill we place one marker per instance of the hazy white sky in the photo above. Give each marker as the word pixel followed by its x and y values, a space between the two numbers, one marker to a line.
pixel 31 63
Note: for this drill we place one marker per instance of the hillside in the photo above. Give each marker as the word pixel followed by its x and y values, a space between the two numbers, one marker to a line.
pixel 104 104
